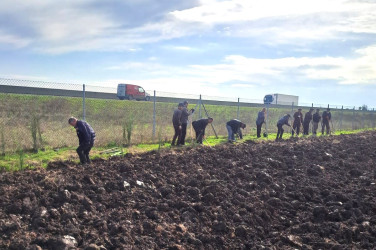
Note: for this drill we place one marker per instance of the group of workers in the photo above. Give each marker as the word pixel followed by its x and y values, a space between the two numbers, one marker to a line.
pixel 180 121
pixel 308 117
pixel 181 114
pixel 86 134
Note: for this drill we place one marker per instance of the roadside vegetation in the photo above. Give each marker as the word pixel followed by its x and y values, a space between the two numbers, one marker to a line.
pixel 34 129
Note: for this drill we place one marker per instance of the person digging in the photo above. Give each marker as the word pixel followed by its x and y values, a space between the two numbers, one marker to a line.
pixel 234 127
pixel 283 121
pixel 298 121
pixel 199 126
pixel 86 138
pixel 326 118
pixel 184 122
pixel 176 122
pixel 260 120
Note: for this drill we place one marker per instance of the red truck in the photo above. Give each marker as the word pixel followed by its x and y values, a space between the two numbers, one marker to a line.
pixel 131 92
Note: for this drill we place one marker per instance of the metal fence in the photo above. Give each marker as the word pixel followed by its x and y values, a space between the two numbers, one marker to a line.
pixel 34 114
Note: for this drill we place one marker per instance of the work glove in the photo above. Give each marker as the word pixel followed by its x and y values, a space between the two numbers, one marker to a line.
pixel 192 110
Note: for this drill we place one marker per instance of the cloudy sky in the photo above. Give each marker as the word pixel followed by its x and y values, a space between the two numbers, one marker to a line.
pixel 324 51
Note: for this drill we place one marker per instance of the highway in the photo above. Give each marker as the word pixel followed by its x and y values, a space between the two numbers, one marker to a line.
pixel 99 95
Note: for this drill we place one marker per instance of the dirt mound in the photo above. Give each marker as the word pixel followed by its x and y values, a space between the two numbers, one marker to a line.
pixel 308 194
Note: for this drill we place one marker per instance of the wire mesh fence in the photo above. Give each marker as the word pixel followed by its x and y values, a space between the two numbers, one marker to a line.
pixel 32 118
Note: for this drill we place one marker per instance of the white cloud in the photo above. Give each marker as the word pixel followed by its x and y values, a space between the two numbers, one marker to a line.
pixel 13 40
pixel 245 72
pixel 56 27
pixel 184 48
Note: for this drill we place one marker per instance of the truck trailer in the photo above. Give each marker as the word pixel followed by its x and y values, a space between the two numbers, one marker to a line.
pixel 281 99
pixel 131 92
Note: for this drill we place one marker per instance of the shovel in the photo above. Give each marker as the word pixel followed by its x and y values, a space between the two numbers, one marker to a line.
pixel 265 134
pixel 207 142
pixel 332 130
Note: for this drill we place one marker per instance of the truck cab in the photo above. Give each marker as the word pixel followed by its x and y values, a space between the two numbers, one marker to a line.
pixel 132 92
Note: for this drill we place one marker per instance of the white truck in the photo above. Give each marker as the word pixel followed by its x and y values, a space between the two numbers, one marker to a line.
pixel 281 99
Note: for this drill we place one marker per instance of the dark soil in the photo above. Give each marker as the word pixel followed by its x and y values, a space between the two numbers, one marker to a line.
pixel 297 194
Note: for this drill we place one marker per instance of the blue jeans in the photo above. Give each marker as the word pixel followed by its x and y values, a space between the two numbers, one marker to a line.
pixel 231 135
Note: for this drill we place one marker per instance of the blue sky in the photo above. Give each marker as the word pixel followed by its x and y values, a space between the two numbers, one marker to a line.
pixel 324 51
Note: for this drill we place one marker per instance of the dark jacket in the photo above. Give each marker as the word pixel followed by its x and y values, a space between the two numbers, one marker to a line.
pixel 326 116
pixel 284 121
pixel 235 126
pixel 184 115
pixel 260 118
pixel 298 117
pixel 176 118
pixel 316 117
pixel 85 133
pixel 200 125
pixel 308 117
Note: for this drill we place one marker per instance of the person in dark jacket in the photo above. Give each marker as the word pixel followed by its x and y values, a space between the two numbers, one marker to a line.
pixel 283 121
pixel 316 120
pixel 234 127
pixel 326 118
pixel 184 122
pixel 260 120
pixel 199 127
pixel 307 121
pixel 298 120
pixel 86 138
pixel 176 122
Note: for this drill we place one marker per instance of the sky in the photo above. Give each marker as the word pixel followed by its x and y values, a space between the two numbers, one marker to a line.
pixel 323 51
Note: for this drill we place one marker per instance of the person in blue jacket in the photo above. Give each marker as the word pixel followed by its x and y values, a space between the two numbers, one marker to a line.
pixel 260 120
pixel 86 138
pixel 283 121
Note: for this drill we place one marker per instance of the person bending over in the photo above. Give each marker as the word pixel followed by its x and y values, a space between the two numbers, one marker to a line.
pixel 86 138
pixel 283 121
pixel 199 126
pixel 234 127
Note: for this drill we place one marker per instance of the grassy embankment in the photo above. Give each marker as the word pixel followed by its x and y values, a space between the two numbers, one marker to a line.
pixel 40 122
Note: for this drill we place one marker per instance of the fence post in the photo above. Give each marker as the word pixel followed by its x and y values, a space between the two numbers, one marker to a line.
pixel 237 116
pixel 340 121
pixel 292 108
pixel 363 118
pixel 266 120
pixel 83 102
pixel 352 120
pixel 154 115
pixel 199 108
pixel 373 118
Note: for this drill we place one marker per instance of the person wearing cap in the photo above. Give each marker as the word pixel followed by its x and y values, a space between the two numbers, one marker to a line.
pixel 86 138
pixel 283 121
pixel 316 120
pixel 176 122
pixel 199 126
pixel 307 121
pixel 184 122
pixel 234 127
pixel 298 120
pixel 326 118
pixel 260 120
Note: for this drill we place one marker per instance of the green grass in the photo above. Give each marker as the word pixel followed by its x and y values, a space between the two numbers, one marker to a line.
pixel 11 162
